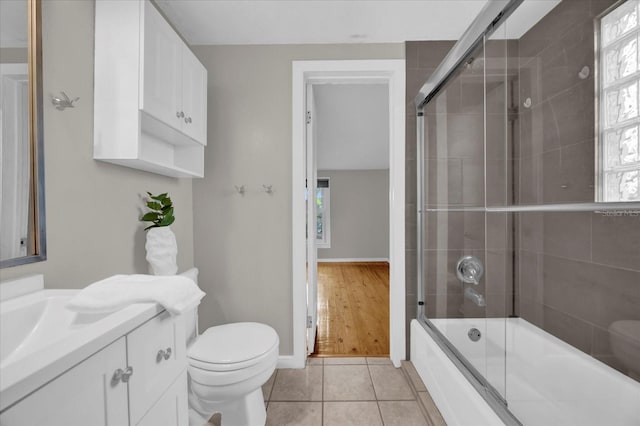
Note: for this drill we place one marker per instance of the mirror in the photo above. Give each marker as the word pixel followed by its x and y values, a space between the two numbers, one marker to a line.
pixel 22 210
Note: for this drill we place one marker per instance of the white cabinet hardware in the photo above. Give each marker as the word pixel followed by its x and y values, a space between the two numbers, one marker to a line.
pixel 99 391
pixel 163 354
pixel 121 375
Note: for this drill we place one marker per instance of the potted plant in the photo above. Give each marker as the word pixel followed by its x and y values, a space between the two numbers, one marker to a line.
pixel 161 245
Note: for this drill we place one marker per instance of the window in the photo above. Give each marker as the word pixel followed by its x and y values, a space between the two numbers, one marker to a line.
pixel 323 224
pixel 619 83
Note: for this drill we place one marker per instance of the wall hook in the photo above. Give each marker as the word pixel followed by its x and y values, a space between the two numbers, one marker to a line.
pixel 241 189
pixel 63 102
pixel 268 189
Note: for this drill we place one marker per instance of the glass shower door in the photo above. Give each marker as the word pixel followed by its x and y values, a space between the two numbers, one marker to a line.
pixel 464 259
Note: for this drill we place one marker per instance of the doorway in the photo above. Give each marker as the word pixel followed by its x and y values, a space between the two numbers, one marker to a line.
pixel 389 73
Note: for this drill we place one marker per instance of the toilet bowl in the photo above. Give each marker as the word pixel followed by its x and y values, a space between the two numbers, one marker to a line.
pixel 624 337
pixel 227 366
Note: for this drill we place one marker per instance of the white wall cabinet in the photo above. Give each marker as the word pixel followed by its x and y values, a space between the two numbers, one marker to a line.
pixel 91 394
pixel 150 92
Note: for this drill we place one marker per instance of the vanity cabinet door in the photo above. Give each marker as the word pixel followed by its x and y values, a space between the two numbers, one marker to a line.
pixel 172 409
pixel 160 79
pixel 84 395
pixel 157 352
pixel 194 97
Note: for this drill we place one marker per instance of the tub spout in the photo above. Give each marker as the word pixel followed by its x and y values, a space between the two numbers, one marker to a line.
pixel 474 296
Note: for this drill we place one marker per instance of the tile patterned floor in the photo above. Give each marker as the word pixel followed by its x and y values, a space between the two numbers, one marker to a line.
pixel 349 392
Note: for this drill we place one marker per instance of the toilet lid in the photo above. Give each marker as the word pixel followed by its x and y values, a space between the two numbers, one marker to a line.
pixel 233 343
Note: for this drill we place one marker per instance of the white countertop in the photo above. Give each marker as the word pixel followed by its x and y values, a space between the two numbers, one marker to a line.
pixel 31 365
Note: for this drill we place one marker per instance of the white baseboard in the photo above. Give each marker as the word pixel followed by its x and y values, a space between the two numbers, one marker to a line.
pixel 359 259
pixel 289 361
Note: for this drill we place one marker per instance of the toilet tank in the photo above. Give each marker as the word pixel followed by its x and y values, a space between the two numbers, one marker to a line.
pixel 191 316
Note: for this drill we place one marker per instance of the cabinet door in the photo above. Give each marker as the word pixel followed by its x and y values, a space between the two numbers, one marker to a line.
pixel 84 395
pixel 157 352
pixel 194 97
pixel 172 409
pixel 160 81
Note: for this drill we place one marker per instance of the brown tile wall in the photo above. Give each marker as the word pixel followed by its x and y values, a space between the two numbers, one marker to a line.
pixel 577 272
pixel 422 58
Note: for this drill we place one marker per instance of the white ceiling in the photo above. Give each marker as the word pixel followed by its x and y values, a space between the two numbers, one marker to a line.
pixel 319 21
pixel 351 120
pixel 351 126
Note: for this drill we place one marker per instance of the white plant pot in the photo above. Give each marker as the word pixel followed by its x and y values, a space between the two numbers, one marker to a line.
pixel 162 251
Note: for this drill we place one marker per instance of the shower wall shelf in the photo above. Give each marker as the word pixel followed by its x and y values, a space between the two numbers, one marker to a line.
pixel 150 102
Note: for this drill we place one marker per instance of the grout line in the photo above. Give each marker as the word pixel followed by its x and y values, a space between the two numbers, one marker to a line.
pixel 273 385
pixel 380 412
pixel 414 391
pixel 372 384
pixel 322 396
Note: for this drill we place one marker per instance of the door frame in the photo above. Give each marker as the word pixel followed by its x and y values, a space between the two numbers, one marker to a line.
pixel 392 73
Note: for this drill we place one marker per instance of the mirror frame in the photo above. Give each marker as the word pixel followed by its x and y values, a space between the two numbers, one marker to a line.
pixel 36 140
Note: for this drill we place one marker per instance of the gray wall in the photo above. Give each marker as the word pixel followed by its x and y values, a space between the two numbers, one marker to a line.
pixel 13 55
pixel 243 244
pixel 92 207
pixel 359 204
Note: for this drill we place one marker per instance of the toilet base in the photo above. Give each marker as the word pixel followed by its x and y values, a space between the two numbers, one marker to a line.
pixel 246 411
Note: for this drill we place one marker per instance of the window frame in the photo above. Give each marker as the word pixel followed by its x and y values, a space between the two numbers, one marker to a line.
pixel 601 157
pixel 325 242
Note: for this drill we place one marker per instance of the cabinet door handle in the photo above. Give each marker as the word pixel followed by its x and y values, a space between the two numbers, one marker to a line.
pixel 121 376
pixel 180 114
pixel 187 120
pixel 163 353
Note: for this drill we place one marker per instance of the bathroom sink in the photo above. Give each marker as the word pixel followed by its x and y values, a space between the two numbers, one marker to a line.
pixel 31 323
pixel 40 338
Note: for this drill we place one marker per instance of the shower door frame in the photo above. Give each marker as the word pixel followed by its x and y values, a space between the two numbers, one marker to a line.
pixel 490 18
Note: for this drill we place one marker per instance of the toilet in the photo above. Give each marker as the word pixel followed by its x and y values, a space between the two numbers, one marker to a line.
pixel 227 366
pixel 624 337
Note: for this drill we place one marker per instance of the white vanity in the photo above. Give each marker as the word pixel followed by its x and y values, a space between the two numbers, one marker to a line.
pixel 62 368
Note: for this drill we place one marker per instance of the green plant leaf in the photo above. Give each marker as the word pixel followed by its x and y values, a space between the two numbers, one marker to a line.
pixel 168 212
pixel 161 213
pixel 159 197
pixel 150 217
pixel 167 220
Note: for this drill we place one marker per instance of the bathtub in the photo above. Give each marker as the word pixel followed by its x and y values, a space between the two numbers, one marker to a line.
pixel 544 380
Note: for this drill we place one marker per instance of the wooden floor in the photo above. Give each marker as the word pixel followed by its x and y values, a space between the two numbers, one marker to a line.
pixel 353 309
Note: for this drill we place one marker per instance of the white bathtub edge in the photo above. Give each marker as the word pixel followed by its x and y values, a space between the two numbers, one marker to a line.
pixel 457 400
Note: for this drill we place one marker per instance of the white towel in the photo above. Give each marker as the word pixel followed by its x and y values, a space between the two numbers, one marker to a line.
pixel 175 293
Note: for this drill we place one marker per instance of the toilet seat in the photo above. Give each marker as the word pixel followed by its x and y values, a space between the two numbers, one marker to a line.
pixel 232 347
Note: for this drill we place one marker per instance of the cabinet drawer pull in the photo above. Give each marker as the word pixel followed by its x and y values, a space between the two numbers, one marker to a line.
pixel 163 353
pixel 187 120
pixel 180 114
pixel 121 376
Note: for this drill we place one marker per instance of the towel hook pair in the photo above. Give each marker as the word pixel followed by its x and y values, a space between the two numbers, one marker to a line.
pixel 242 189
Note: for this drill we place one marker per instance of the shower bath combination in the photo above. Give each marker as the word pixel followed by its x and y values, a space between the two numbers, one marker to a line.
pixel 528 193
